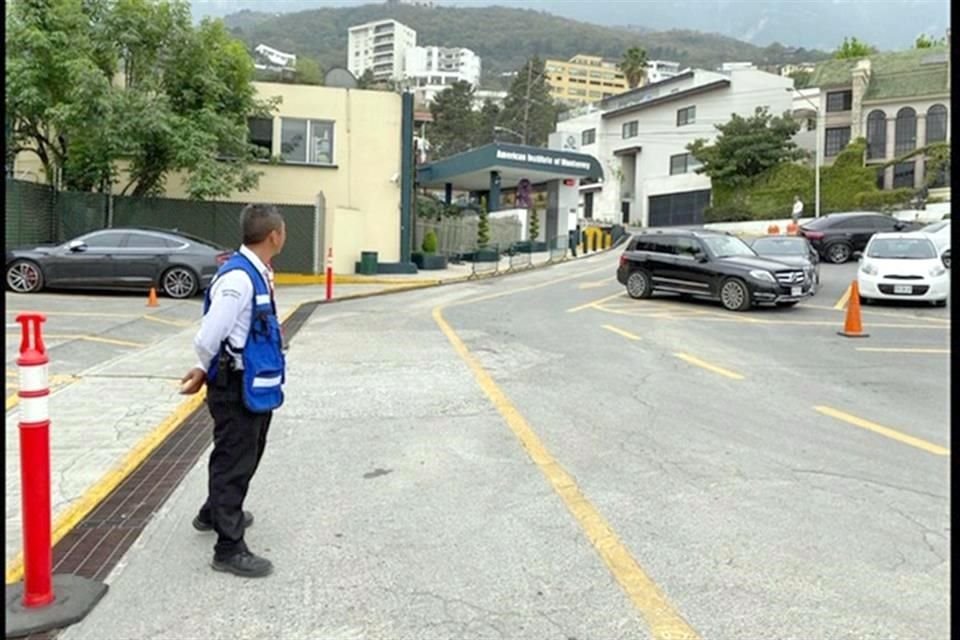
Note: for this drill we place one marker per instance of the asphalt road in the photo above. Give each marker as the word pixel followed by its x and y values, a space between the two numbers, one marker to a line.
pixel 541 457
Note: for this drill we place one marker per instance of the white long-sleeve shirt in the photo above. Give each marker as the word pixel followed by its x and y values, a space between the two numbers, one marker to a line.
pixel 231 308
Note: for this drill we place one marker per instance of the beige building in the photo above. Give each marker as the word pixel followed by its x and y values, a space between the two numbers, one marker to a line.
pixel 897 101
pixel 583 79
pixel 342 143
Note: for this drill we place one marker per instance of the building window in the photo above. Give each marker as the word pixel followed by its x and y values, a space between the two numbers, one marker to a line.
pixel 906 133
pixel 903 175
pixel 683 163
pixel 881 178
pixel 836 140
pixel 306 141
pixel 588 137
pixel 936 123
pixel 839 101
pixel 261 135
pixel 629 129
pixel 876 135
pixel 686 116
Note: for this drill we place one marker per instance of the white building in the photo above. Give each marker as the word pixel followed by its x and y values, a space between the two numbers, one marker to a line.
pixel 380 46
pixel 640 138
pixel 269 58
pixel 436 68
pixel 660 70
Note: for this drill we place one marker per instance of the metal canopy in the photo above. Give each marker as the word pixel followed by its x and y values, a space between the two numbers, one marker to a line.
pixel 470 170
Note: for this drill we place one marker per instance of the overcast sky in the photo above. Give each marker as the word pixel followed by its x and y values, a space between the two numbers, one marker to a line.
pixel 888 24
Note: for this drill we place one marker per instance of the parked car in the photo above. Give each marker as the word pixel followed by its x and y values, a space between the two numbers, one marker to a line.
pixel 711 265
pixel 939 232
pixel 837 236
pixel 902 266
pixel 177 264
pixel 793 250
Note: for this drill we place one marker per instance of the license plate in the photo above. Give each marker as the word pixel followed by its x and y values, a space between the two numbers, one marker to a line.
pixel 796 291
pixel 903 288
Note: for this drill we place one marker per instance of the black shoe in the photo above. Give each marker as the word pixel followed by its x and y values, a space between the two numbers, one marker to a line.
pixel 202 525
pixel 243 564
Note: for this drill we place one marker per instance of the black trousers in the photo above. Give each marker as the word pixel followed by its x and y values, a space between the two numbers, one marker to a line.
pixel 239 438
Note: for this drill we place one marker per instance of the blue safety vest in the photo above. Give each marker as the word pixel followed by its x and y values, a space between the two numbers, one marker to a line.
pixel 263 360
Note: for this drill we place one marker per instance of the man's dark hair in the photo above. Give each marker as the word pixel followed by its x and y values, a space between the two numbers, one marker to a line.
pixel 257 221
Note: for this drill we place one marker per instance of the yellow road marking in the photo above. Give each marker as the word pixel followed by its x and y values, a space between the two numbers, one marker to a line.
pixel 884 431
pixel 686 357
pixel 56 379
pixel 842 302
pixel 902 350
pixel 12 401
pixel 175 323
pixel 79 314
pixel 905 316
pixel 596 303
pixel 594 285
pixel 71 336
pixel 67 520
pixel 664 620
pixel 529 288
pixel 625 334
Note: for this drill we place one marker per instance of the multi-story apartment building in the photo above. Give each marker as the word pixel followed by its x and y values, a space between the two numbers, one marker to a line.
pixel 898 101
pixel 380 46
pixel 640 139
pixel 430 70
pixel 583 79
pixel 660 70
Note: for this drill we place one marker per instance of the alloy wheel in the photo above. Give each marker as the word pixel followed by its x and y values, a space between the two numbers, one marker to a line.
pixel 23 277
pixel 179 283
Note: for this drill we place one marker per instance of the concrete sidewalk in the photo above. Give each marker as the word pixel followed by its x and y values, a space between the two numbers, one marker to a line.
pixel 107 421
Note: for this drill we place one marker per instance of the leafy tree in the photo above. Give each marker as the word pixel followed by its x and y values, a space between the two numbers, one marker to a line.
pixel 924 41
pixel 634 66
pixel 488 119
pixel 454 120
pixel 801 78
pixel 91 83
pixel 483 225
pixel 746 147
pixel 853 48
pixel 529 108
pixel 366 80
pixel 534 224
pixel 308 71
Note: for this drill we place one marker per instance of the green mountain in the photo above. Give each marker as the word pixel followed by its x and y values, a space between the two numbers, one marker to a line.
pixel 503 37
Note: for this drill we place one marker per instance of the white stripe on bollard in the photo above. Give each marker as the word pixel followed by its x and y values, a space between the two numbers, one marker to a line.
pixel 33 410
pixel 34 377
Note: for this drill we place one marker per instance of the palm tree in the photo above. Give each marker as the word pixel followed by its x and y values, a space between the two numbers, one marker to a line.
pixel 634 66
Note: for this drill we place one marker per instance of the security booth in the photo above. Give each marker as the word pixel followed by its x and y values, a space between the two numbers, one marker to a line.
pixel 516 178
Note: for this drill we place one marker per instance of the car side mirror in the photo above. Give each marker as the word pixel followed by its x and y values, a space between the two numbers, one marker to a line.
pixel 77 246
pixel 900 226
pixel 700 256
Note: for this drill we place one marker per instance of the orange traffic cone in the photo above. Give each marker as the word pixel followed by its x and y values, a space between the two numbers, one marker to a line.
pixel 852 326
pixel 152 300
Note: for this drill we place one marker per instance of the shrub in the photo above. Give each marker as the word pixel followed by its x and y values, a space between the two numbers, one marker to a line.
pixel 726 213
pixel 430 242
pixel 882 199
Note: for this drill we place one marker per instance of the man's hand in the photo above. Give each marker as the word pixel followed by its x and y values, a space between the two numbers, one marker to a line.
pixel 193 381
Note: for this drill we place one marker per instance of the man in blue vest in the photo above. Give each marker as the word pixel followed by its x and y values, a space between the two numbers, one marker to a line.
pixel 240 348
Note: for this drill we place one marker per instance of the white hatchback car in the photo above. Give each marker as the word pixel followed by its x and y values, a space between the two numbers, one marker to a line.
pixel 903 266
pixel 939 232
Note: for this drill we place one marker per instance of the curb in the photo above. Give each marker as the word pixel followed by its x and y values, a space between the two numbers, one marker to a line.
pixel 92 497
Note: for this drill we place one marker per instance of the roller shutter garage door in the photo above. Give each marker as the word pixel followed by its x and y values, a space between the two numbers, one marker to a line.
pixel 678 209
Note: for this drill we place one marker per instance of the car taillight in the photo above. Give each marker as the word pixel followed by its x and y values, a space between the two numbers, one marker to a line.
pixel 623 259
pixel 222 257
pixel 813 235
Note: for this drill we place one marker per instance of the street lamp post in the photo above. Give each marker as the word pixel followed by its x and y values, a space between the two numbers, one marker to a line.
pixel 819 133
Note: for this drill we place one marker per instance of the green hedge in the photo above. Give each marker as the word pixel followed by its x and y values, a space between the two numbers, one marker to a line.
pixel 883 199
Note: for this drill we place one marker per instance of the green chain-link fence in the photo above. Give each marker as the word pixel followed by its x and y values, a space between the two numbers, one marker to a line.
pixel 29 218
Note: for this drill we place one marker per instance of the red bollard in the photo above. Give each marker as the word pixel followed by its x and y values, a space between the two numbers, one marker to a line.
pixel 35 463
pixel 31 606
pixel 330 273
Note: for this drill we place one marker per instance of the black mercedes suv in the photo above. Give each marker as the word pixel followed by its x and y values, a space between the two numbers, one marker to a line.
pixel 711 265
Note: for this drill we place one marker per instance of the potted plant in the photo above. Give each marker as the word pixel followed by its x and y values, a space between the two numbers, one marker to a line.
pixel 428 258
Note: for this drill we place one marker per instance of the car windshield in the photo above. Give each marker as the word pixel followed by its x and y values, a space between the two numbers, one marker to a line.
pixel 726 246
pixel 901 249
pixel 781 247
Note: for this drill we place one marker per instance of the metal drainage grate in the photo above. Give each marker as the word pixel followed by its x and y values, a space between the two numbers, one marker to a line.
pixel 95 546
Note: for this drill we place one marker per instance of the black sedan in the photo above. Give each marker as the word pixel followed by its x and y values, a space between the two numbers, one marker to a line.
pixel 792 250
pixel 177 264
pixel 839 235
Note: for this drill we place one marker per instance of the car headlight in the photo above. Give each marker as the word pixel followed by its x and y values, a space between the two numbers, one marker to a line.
pixel 937 271
pixel 869 269
pixel 760 274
